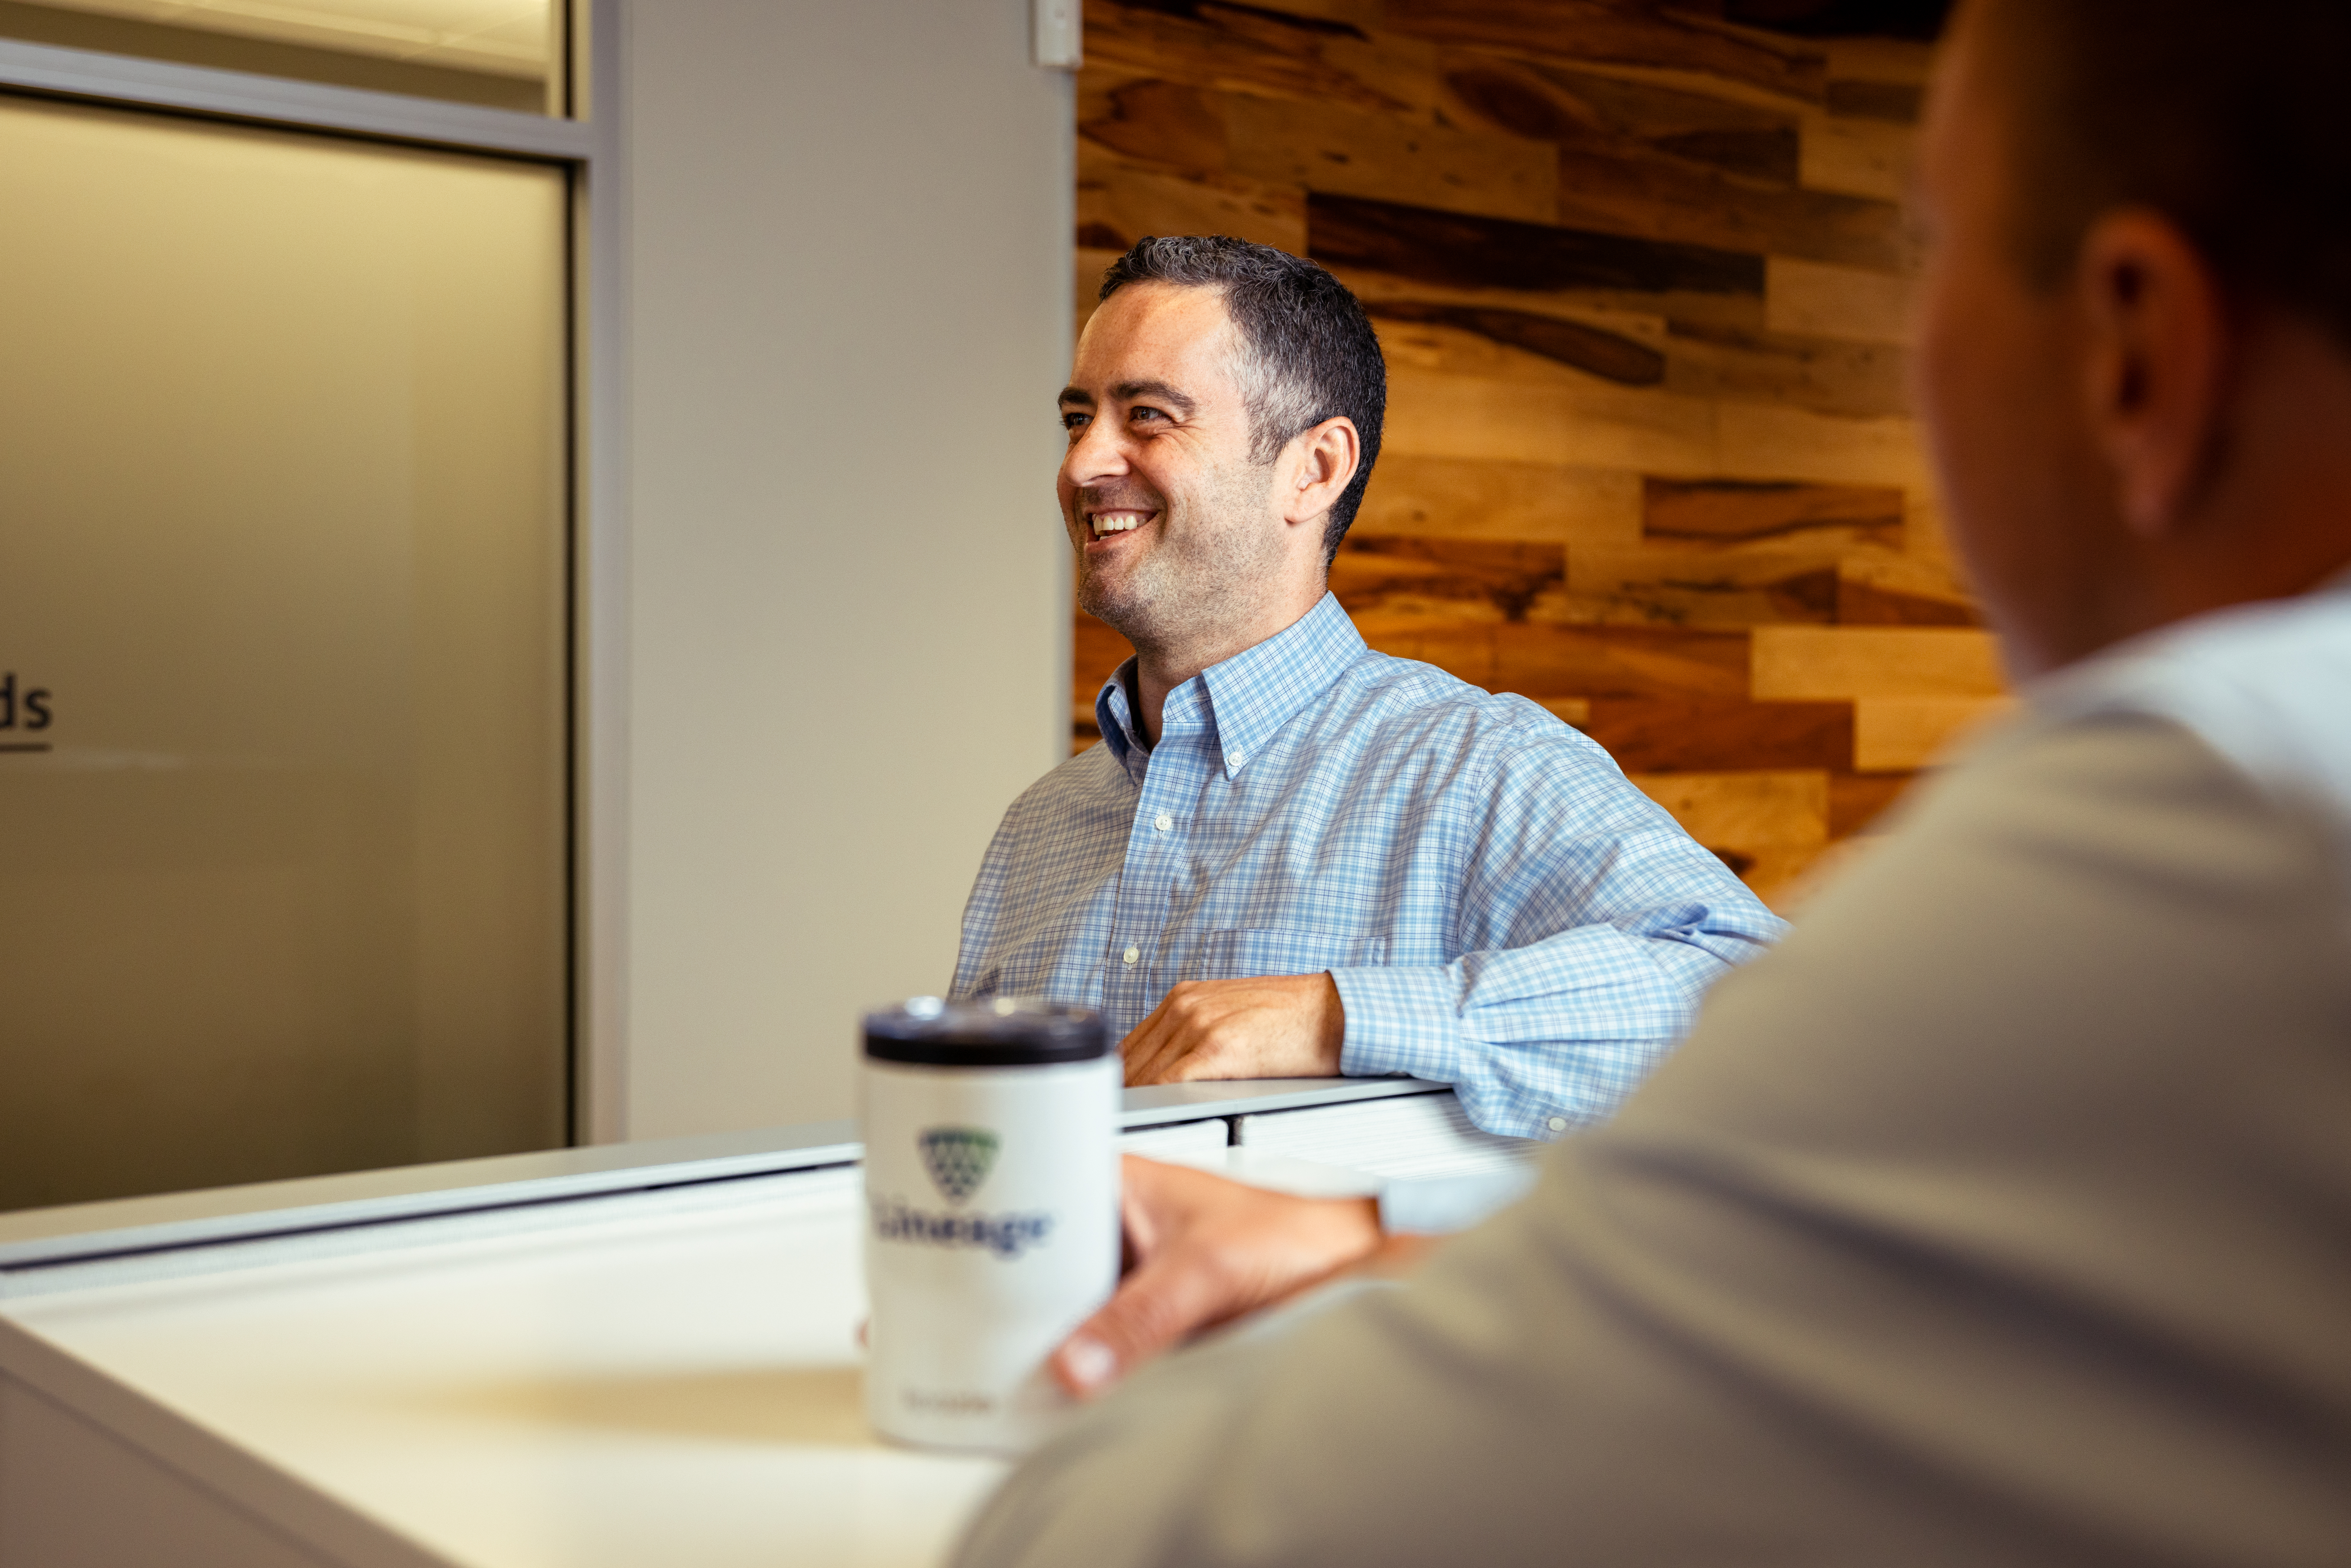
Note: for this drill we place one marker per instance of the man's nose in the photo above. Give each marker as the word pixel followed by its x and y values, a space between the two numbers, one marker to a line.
pixel 1096 453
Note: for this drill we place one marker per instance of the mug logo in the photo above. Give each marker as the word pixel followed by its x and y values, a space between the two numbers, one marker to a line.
pixel 958 1159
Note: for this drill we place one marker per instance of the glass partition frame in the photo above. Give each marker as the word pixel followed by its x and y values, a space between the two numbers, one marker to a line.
pixel 586 143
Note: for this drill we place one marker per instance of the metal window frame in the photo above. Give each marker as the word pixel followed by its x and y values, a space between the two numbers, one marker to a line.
pixel 587 145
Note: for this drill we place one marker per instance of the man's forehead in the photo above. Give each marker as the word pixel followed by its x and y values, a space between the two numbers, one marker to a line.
pixel 1152 337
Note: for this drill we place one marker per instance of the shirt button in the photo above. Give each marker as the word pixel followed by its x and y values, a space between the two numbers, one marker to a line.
pixel 1163 821
pixel 1133 954
pixel 1557 1124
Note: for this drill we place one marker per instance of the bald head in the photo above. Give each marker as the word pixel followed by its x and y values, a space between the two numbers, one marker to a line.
pixel 2132 336
pixel 2232 120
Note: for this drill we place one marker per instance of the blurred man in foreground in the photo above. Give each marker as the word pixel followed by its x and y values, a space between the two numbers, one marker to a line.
pixel 2004 1214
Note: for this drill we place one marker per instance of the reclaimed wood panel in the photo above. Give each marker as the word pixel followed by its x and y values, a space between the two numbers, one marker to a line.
pixel 1120 200
pixel 1677 736
pixel 1861 155
pixel 1540 659
pixel 1463 251
pixel 1643 286
pixel 1700 588
pixel 1814 664
pixel 1385 578
pixel 1726 512
pixel 1474 498
pixel 1582 30
pixel 1595 424
pixel 1902 734
pixel 1810 298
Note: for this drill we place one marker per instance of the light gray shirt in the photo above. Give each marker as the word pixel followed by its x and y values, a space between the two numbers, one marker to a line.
pixel 2001 1215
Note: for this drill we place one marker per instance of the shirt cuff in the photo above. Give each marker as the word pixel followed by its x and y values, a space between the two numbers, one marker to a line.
pixel 1400 1019
pixel 1439 1206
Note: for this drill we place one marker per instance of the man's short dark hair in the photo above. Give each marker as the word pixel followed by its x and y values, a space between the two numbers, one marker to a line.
pixel 2228 119
pixel 1311 354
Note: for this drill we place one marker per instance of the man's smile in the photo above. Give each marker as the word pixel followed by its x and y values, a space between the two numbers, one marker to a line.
pixel 1108 523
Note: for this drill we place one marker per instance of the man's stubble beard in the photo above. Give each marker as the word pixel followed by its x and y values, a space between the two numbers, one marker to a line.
pixel 1207 574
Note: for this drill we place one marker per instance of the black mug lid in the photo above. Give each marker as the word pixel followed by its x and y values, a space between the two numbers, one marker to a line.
pixel 1002 1031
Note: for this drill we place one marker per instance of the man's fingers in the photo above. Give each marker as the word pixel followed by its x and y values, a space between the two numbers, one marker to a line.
pixel 1158 1042
pixel 1158 1305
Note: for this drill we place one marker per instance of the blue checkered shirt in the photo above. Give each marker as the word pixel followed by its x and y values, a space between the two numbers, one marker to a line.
pixel 1500 909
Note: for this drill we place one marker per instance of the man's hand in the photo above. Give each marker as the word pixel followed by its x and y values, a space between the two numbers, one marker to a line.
pixel 1282 1026
pixel 1205 1251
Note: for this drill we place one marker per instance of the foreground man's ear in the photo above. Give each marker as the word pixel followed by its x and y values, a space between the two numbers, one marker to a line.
pixel 2156 334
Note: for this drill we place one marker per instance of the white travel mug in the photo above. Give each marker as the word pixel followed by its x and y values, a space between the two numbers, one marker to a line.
pixel 992 1224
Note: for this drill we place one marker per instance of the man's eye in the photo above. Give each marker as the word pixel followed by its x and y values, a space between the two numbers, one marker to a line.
pixel 1141 414
pixel 1071 419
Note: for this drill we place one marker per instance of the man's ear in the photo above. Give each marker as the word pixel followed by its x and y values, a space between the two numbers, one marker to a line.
pixel 1315 469
pixel 2157 332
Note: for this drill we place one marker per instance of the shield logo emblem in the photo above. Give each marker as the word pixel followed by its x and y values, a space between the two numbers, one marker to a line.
pixel 958 1159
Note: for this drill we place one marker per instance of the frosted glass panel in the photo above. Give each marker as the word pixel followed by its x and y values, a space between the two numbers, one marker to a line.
pixel 506 54
pixel 281 654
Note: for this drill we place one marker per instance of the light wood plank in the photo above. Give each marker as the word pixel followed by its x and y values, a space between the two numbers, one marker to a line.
pixel 1765 441
pixel 1814 299
pixel 1466 498
pixel 1857 156
pixel 1900 734
pixel 1591 426
pixel 1818 663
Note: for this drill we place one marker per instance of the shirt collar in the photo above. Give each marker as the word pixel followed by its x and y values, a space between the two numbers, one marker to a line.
pixel 1244 700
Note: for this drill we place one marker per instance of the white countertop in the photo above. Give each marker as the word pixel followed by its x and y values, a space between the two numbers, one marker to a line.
pixel 586 1360
pixel 678 1384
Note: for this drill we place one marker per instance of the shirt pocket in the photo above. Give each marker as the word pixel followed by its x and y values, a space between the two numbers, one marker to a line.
pixel 1261 950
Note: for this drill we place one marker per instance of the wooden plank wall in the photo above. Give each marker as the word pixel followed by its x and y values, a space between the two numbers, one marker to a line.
pixel 1642 280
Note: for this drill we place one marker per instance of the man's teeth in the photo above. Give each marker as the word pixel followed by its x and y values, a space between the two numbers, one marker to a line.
pixel 1118 522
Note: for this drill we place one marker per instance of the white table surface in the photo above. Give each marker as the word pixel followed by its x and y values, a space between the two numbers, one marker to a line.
pixel 678 1384
pixel 667 1375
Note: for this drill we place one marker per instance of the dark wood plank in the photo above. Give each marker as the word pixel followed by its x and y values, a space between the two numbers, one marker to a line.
pixel 1457 250
pixel 1667 586
pixel 1210 45
pixel 1548 103
pixel 1857 799
pixel 1120 200
pixel 1669 735
pixel 1471 580
pixel 1609 355
pixel 1096 652
pixel 1321 146
pixel 1739 511
pixel 1648 196
pixel 1591 30
pixel 1551 661
pixel 1865 598
pixel 1897 102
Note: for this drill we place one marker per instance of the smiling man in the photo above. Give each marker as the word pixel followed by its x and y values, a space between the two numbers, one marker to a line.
pixel 2002 1214
pixel 1291 856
